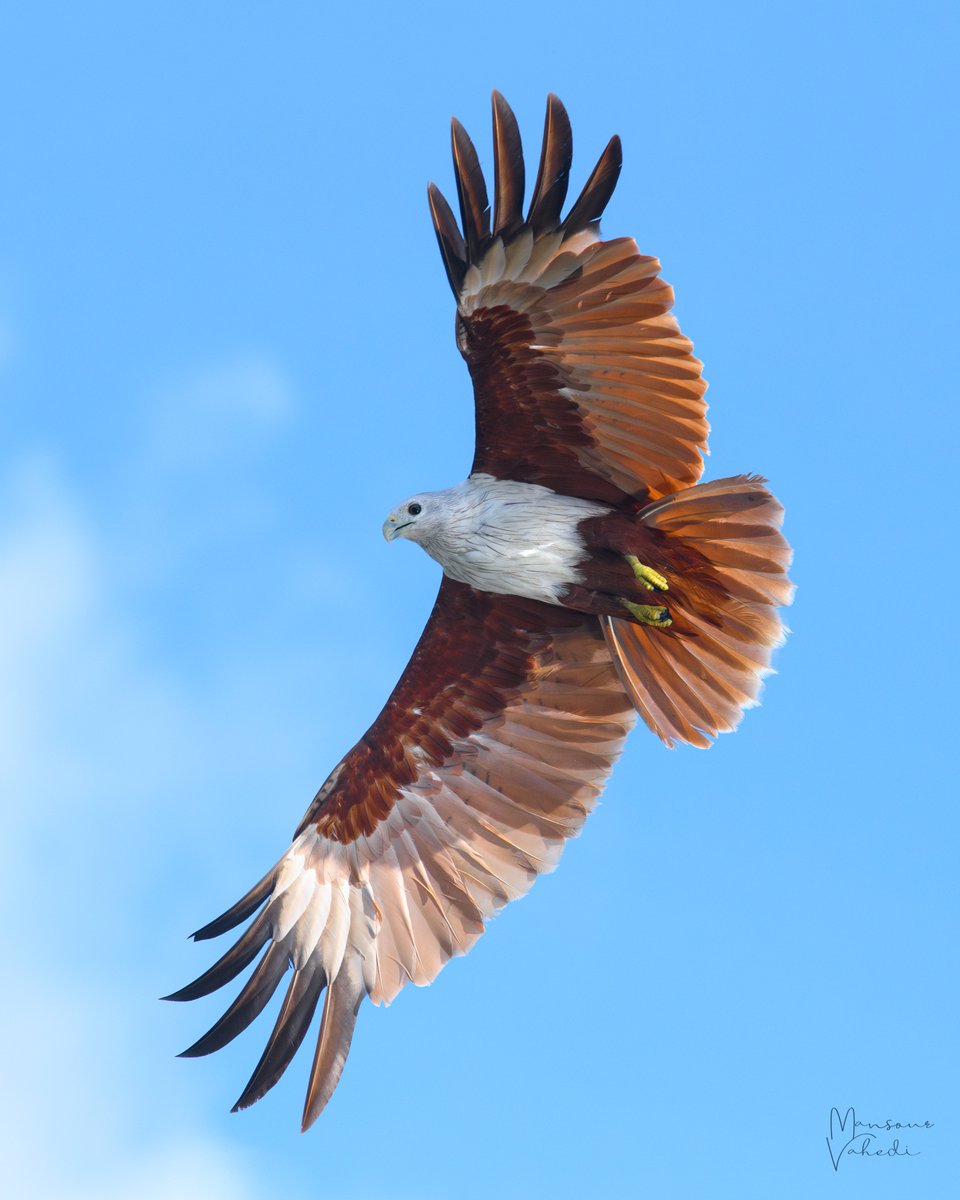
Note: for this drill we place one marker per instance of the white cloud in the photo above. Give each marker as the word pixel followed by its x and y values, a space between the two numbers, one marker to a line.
pixel 79 710
pixel 94 736
pixel 47 585
pixel 70 1106
pixel 46 568
pixel 188 1170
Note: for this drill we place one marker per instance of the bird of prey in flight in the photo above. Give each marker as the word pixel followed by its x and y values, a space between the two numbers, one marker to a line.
pixel 587 577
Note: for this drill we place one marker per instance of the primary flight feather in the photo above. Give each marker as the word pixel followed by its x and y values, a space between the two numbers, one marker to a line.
pixel 587 577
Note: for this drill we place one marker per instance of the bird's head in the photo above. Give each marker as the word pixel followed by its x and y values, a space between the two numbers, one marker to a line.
pixel 411 519
pixel 429 518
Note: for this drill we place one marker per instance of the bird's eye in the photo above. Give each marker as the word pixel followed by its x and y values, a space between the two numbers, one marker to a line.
pixel 414 509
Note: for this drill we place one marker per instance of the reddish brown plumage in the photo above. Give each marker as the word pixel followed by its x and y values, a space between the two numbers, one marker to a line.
pixel 607 574
pixel 521 400
pixel 474 656
pixel 486 758
pixel 582 380
pixel 720 548
pixel 585 387
pixel 499 736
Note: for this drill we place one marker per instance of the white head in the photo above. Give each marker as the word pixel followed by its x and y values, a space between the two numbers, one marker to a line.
pixel 418 517
pixel 439 520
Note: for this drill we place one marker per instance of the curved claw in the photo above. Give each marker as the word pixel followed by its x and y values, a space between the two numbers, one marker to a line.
pixel 647 576
pixel 648 614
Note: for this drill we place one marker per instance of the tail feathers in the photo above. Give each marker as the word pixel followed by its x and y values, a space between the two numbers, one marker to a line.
pixel 720 547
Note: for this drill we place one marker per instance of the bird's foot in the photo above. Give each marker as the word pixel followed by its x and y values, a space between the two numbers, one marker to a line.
pixel 648 614
pixel 647 576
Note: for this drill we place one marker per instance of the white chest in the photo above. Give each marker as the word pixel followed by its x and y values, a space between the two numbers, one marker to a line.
pixel 513 538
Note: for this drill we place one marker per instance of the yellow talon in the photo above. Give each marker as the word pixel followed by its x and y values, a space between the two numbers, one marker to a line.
pixel 650 578
pixel 648 614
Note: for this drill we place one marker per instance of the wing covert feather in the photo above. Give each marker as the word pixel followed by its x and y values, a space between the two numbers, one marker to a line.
pixel 488 755
pixel 582 379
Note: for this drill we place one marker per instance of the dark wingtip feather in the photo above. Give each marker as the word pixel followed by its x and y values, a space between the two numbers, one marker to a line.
pixel 248 1005
pixel 553 174
pixel 240 955
pixel 508 169
pixel 450 240
pixel 458 249
pixel 589 205
pixel 471 190
pixel 245 907
pixel 296 1013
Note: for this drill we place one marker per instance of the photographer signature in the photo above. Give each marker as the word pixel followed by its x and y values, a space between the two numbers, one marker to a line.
pixel 848 1136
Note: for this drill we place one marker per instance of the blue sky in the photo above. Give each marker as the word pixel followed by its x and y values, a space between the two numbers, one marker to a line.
pixel 225 352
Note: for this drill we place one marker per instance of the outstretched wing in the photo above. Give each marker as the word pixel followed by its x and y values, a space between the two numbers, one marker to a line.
pixel 582 379
pixel 488 755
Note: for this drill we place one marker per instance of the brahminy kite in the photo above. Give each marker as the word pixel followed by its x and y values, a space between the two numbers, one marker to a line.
pixel 587 577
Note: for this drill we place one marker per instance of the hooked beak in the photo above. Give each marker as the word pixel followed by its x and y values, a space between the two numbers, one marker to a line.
pixel 391 528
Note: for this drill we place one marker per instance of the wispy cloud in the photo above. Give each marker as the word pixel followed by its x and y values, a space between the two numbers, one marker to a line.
pixel 48 596
pixel 95 734
pixel 73 1079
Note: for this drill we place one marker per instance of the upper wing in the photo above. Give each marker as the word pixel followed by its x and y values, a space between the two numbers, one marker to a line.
pixel 488 755
pixel 583 381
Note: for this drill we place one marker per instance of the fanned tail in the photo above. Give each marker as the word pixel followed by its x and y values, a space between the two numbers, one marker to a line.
pixel 720 547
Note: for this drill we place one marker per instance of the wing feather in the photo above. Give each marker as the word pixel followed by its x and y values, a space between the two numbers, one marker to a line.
pixel 508 170
pixel 293 1021
pixel 553 175
pixel 552 322
pixel 244 907
pixel 240 955
pixel 589 205
pixel 452 246
pixel 251 1001
pixel 487 757
pixel 340 1008
pixel 472 192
